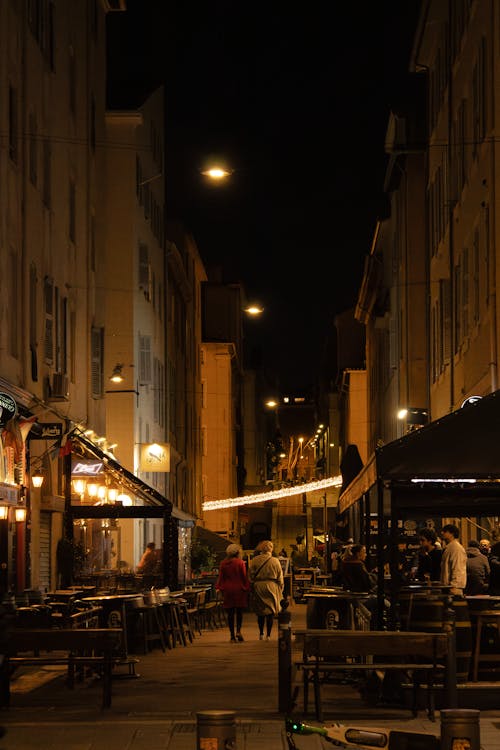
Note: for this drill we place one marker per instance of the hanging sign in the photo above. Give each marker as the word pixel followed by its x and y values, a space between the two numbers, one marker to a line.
pixel 155 457
pixel 8 408
pixel 48 431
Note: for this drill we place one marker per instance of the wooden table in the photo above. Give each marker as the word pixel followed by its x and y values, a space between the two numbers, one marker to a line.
pixel 482 613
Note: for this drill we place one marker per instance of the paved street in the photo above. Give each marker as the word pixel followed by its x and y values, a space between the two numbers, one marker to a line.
pixel 158 709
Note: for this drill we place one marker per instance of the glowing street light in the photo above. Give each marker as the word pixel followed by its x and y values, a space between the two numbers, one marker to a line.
pixel 217 173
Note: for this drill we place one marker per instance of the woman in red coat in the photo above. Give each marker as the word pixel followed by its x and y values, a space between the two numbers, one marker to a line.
pixel 234 584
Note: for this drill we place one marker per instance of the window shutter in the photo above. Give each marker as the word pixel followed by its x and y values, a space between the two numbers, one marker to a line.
pixel 145 360
pixel 97 350
pixel 48 334
pixel 144 271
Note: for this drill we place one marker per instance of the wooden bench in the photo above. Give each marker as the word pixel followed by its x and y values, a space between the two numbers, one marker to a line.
pixel 329 652
pixel 73 647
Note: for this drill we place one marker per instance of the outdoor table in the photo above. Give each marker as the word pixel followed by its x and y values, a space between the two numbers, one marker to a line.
pixel 485 620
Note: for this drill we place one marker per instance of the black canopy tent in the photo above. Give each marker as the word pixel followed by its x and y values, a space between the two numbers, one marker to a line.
pixel 155 505
pixel 450 467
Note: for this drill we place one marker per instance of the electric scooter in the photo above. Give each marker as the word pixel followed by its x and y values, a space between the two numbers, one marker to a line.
pixel 362 738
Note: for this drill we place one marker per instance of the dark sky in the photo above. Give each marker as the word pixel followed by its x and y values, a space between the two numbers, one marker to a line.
pixel 297 101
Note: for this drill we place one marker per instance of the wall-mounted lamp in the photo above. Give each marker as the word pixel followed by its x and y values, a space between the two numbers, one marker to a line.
pixel 117 374
pixel 37 480
pixel 4 512
pixel 414 416
pixel 254 310
pixel 20 515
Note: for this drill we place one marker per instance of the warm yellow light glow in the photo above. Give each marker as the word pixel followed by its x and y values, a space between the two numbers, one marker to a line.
pixel 112 494
pixel 117 375
pixel 254 310
pixel 102 492
pixel 20 515
pixel 271 403
pixel 216 173
pixel 301 440
pixel 79 486
pixel 92 489
pixel 402 413
pixel 4 512
pixel 262 497
pixel 124 499
pixel 37 480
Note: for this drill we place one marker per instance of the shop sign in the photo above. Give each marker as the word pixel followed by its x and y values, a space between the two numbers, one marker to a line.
pixel 8 493
pixel 155 457
pixel 86 467
pixel 48 431
pixel 8 408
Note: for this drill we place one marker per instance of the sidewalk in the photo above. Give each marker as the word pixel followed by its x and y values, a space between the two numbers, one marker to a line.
pixel 158 710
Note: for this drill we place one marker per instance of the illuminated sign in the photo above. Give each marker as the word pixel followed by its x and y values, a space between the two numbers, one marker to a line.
pixel 471 400
pixel 8 408
pixel 155 457
pixel 86 467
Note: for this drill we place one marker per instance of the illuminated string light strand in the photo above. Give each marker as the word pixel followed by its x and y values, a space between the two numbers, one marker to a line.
pixel 261 497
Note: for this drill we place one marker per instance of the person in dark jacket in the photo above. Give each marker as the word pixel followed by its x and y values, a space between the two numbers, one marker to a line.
pixel 234 584
pixel 429 557
pixel 355 574
pixel 478 570
pixel 494 561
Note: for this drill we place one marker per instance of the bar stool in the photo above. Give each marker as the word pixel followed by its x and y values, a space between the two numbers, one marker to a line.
pixel 185 620
pixel 173 625
pixel 151 625
pixel 487 617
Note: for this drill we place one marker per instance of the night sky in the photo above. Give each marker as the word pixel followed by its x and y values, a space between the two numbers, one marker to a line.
pixel 297 101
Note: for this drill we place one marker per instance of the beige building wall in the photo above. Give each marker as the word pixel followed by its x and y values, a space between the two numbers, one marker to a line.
pixel 219 449
pixel 52 83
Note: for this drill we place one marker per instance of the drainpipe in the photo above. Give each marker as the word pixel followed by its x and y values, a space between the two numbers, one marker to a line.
pixel 451 233
pixel 493 273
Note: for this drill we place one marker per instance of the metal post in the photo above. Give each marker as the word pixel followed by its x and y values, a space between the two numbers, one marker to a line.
pixel 460 729
pixel 284 658
pixel 450 677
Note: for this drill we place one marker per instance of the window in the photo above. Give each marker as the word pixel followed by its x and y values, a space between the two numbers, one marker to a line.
pixel 144 271
pixel 144 360
pixel 97 356
pixel 48 336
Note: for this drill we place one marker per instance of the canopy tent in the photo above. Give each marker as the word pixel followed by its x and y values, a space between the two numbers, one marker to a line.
pixel 453 462
pixel 448 468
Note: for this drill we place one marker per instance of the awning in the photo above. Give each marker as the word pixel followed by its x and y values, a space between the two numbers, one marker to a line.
pixel 463 445
pixel 184 519
pixel 136 486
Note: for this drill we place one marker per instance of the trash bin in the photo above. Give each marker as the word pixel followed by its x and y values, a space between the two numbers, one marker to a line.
pixel 215 730
pixel 460 729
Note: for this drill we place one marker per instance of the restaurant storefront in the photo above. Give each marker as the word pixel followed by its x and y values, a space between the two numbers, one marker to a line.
pixel 448 469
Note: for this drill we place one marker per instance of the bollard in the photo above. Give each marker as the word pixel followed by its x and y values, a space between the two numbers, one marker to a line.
pixel 460 729
pixel 215 730
pixel 284 658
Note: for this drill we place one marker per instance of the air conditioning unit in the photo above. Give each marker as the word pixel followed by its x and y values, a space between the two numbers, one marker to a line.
pixel 60 387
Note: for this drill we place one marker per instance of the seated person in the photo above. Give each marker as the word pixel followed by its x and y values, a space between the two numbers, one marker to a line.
pixel 355 574
pixel 429 557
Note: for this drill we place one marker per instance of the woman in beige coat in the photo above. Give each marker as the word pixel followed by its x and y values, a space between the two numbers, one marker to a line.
pixel 266 576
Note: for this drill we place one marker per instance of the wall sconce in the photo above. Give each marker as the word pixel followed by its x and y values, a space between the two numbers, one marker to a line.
pixel 37 480
pixel 117 375
pixel 20 515
pixel 4 512
pixel 413 415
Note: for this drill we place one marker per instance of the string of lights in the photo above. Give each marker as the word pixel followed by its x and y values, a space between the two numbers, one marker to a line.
pixel 261 497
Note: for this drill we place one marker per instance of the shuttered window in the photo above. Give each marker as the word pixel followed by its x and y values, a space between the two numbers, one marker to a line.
pixel 97 350
pixel 145 360
pixel 48 335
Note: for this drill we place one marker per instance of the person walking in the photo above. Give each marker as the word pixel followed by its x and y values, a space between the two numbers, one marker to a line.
pixel 454 560
pixel 234 585
pixel 266 577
